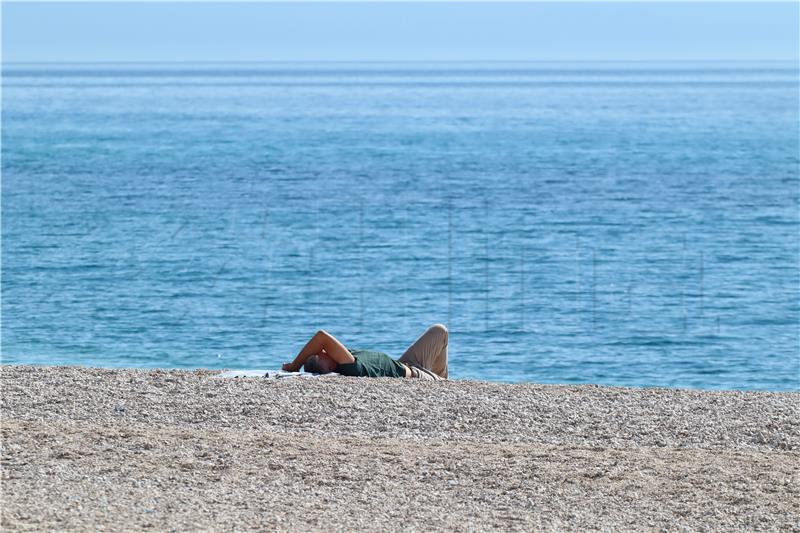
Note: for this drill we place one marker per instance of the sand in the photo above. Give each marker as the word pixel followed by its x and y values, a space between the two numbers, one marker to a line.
pixel 90 449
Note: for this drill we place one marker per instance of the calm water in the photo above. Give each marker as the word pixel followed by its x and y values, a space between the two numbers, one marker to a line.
pixel 629 224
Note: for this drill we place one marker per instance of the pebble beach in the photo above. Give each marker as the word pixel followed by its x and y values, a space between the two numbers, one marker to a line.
pixel 175 450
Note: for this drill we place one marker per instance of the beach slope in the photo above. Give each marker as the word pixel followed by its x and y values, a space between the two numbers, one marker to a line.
pixel 106 449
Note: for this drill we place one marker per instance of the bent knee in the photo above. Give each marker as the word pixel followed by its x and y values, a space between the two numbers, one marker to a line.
pixel 441 328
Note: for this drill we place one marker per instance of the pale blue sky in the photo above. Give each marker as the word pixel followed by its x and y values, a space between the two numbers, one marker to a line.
pixel 398 31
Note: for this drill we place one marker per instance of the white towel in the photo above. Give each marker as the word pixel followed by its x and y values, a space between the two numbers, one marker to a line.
pixel 269 374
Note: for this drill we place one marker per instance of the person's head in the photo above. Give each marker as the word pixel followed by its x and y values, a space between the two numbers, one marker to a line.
pixel 320 364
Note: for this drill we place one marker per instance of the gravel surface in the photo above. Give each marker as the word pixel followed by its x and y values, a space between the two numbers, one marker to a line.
pixel 87 448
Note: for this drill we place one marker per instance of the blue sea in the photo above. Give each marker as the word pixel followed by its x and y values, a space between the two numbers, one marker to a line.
pixel 630 224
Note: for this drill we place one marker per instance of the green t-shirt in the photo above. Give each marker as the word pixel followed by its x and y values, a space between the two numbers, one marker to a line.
pixel 372 364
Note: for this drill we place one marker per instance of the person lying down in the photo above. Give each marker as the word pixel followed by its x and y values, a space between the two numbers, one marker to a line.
pixel 425 359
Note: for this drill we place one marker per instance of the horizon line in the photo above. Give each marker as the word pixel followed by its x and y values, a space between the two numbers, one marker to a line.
pixel 265 61
pixel 402 1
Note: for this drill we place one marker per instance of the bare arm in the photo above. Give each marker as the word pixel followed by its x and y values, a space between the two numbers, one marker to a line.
pixel 321 341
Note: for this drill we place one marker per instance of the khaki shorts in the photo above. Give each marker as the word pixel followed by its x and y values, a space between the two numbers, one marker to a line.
pixel 428 354
pixel 422 373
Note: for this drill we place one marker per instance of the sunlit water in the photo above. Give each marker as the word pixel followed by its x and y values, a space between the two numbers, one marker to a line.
pixel 628 224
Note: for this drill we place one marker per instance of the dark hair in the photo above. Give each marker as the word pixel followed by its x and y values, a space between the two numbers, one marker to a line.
pixel 312 365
